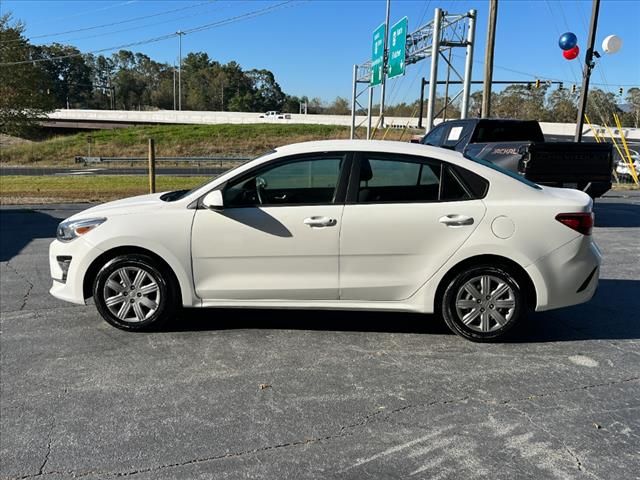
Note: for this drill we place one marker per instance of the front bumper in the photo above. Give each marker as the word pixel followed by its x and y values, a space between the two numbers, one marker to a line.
pixel 70 288
pixel 568 275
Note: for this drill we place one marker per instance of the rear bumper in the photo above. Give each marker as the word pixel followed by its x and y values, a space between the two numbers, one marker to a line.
pixel 568 275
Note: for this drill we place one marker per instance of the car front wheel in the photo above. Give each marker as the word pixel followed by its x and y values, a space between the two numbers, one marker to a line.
pixel 132 292
pixel 483 303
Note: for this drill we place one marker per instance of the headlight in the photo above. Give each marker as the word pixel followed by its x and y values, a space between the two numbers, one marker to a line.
pixel 70 229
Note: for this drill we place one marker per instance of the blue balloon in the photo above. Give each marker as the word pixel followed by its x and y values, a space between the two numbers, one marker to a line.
pixel 567 41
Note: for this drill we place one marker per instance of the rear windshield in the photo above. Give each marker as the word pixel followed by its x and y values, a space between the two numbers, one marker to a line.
pixel 508 173
pixel 507 131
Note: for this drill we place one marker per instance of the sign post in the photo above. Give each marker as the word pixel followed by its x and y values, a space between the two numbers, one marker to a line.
pixel 397 48
pixel 377 55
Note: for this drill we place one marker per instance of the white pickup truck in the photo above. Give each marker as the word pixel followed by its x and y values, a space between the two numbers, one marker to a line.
pixel 276 115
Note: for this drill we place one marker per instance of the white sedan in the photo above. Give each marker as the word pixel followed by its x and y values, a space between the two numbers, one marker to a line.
pixel 350 225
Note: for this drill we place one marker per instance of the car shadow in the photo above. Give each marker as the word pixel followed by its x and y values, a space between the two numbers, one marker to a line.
pixel 599 319
pixel 258 219
pixel 616 215
pixel 612 314
pixel 20 226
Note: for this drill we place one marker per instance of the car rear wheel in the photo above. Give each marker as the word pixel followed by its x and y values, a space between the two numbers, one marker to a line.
pixel 483 303
pixel 132 292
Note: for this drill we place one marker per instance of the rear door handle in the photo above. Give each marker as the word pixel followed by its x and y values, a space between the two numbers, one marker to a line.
pixel 455 220
pixel 320 222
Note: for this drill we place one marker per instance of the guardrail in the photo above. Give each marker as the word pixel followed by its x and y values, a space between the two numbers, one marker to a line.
pixel 94 160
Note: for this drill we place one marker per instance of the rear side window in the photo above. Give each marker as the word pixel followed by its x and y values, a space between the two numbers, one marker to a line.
pixel 417 180
pixel 434 137
pixel 507 131
pixel 504 171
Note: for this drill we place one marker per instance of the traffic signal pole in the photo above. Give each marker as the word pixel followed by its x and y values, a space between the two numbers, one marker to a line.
pixel 586 74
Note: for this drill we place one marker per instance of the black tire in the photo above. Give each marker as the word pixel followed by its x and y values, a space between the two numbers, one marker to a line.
pixel 157 288
pixel 483 319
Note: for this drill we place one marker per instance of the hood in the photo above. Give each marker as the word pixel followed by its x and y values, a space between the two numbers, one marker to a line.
pixel 123 206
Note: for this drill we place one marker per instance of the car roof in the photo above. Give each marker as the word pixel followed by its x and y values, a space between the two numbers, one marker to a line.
pixel 385 146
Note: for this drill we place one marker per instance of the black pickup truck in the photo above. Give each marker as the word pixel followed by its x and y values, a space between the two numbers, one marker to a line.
pixel 519 146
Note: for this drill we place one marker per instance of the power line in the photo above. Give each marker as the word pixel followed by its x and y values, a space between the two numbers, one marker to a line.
pixel 220 23
pixel 129 20
pixel 531 75
pixel 244 16
pixel 146 25
pixel 79 14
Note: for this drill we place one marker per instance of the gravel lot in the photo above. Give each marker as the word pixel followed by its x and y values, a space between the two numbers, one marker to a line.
pixel 289 394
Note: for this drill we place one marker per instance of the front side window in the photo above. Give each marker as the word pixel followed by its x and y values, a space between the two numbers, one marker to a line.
pixel 305 181
pixel 397 181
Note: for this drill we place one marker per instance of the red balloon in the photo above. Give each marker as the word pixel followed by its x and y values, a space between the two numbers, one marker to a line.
pixel 571 53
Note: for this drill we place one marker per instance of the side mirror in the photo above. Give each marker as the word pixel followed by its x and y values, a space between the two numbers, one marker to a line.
pixel 213 200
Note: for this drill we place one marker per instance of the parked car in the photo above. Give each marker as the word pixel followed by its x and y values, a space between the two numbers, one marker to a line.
pixel 344 224
pixel 623 168
pixel 519 146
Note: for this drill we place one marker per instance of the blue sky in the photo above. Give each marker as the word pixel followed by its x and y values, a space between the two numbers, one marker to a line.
pixel 311 46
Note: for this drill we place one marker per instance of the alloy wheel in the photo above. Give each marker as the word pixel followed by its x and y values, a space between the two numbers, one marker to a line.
pixel 131 294
pixel 485 303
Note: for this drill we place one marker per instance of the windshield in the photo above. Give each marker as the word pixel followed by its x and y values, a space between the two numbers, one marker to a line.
pixel 508 173
pixel 178 194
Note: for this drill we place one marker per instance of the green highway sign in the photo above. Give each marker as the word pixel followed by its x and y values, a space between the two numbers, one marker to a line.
pixel 397 48
pixel 377 56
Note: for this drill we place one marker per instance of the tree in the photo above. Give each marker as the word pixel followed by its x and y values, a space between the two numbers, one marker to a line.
pixel 23 95
pixel 292 104
pixel 601 106
pixel 102 72
pixel 633 101
pixel 561 107
pixel 315 105
pixel 340 106
pixel 518 101
pixel 68 79
pixel 267 93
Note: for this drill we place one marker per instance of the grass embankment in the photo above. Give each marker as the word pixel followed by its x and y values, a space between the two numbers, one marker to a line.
pixel 99 188
pixel 170 140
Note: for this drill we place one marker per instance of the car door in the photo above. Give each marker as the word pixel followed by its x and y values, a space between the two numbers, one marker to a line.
pixel 277 236
pixel 404 217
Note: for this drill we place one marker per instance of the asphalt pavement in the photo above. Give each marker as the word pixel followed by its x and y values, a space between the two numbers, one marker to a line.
pixel 341 395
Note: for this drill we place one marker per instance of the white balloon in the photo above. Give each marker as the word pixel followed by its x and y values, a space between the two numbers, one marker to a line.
pixel 612 44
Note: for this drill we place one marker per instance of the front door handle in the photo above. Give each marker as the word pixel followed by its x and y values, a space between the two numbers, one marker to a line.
pixel 316 222
pixel 455 220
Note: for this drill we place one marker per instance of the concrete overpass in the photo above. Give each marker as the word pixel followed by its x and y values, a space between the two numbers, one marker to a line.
pixel 105 119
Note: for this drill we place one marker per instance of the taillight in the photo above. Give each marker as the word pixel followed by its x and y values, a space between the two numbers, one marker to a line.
pixel 580 222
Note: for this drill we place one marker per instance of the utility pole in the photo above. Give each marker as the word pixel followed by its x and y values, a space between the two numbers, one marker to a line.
pixel 588 66
pixel 174 85
pixel 433 74
pixel 180 34
pixel 446 88
pixel 384 63
pixel 488 58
